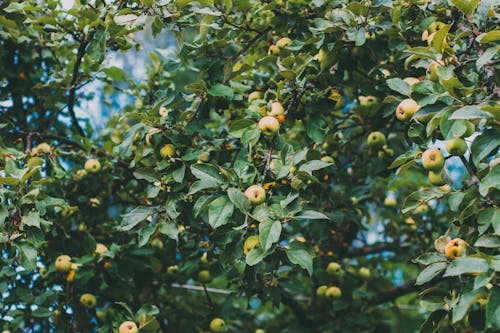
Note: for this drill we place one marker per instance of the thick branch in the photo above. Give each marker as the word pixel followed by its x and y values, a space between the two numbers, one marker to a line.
pixel 73 87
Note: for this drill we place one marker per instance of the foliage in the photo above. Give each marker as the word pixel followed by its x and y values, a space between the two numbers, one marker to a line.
pixel 165 215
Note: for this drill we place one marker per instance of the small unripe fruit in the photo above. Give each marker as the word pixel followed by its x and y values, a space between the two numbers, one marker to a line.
pixel 455 248
pixel 406 109
pixel 328 159
pixel 63 263
pixel 88 301
pixel 471 128
pixel 276 109
pixel 456 146
pixel 435 178
pixel 254 95
pixel 217 325
pixel 128 327
pixel 204 157
pixel 390 202
pixel 376 140
pixel 43 148
pixel 250 243
pixel 204 276
pixel 172 270
pixel 92 165
pixel 101 248
pixel 255 194
pixel 432 159
pixel 333 292
pixel 259 330
pixel 333 268
pixel 367 101
pixel 421 209
pixel 167 151
pixel 364 273
pixel 354 200
pixel 269 125
pixel 283 42
pixel 158 243
pixel 432 71
pixel 321 291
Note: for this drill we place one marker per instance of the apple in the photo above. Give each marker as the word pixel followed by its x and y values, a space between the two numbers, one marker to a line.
pixel 328 159
pixel 333 268
pixel 255 194
pixel 128 327
pixel 321 291
pixel 455 248
pixel 7 331
pixel 101 248
pixel 172 270
pixel 354 201
pixel 204 276
pixel 217 325
pixel 250 243
pixel 273 49
pixel 376 140
pixel 406 109
pixel 428 36
pixel 432 71
pixel 204 157
pixel 435 178
pixel 101 315
pixel 56 316
pixel 445 188
pixel 390 202
pixel 421 209
pixel 269 125
pixel 163 112
pixel 88 301
pixel 456 146
pixel 254 95
pixel 433 160
pixel 167 151
pixel 367 101
pixel 92 165
pixel 471 128
pixel 158 243
pixel 43 148
pixel 364 273
pixel 63 263
pixel 260 330
pixel 276 109
pixel 411 81
pixel 333 292
pixel 283 42
pixel 436 26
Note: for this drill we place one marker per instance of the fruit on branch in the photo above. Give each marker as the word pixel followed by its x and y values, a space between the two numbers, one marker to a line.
pixel 255 95
pixel 172 270
pixel 269 125
pixel 217 325
pixel 204 276
pixel 432 160
pixel 367 101
pixel 101 248
pixel 204 157
pixel 364 273
pixel 92 165
pixel 128 327
pixel 328 159
pixel 432 71
pixel 471 128
pixel 255 194
pixel 250 243
pixel 333 268
pixel 456 146
pixel 283 42
pixel 422 208
pixel 63 263
pixel 390 202
pixel 163 112
pixel 167 150
pixel 455 248
pixel 88 301
pixel 273 49
pixel 260 330
pixel 321 291
pixel 276 109
pixel 43 148
pixel 435 178
pixel 158 243
pixel 333 292
pixel 376 140
pixel 406 109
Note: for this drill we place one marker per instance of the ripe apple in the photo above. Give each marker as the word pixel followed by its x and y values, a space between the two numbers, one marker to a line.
pixel 255 194
pixel 276 109
pixel 128 327
pixel 92 165
pixel 167 151
pixel 455 248
pixel 333 268
pixel 88 301
pixel 433 160
pixel 456 146
pixel 411 80
pixel 254 95
pixel 269 125
pixel 432 71
pixel 204 276
pixel 333 292
pixel 63 263
pixel 435 178
pixel 376 140
pixel 43 148
pixel 250 243
pixel 204 157
pixel 217 325
pixel 101 248
pixel 283 42
pixel 390 202
pixel 406 109
pixel 364 273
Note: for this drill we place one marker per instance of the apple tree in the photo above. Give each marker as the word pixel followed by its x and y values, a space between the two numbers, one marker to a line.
pixel 294 166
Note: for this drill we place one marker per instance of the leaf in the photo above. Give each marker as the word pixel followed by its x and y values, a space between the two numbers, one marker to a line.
pixel 28 256
pixel 219 212
pixel 470 112
pixel 486 217
pixel 220 90
pixel 207 173
pixel 466 6
pixel 490 181
pixel 313 215
pixel 269 233
pixel 430 272
pixel 136 216
pixel 431 324
pixel 32 219
pixel 178 174
pixel 300 257
pixel 170 230
pixel 127 19
pixel 399 86
pixel 463 265
pixel 238 199
pixel 314 165
pixel 488 37
pixel 97 47
pixel 148 174
pixel 115 73
pixel 255 256
pixel 493 308
pixel 429 258
pixel 460 309
pixel 487 56
pixel 41 312
pixel 238 127
pixel 489 241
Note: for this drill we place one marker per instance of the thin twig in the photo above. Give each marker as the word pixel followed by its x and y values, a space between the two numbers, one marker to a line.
pixel 207 295
pixel 267 165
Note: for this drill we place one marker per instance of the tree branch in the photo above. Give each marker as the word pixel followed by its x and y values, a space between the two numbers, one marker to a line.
pixel 394 293
pixel 249 44
pixel 473 177
pixel 368 249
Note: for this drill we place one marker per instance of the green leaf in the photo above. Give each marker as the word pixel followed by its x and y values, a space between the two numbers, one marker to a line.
pixel 115 73
pixel 28 256
pixel 466 6
pixel 32 219
pixel 399 86
pixel 430 272
pixel 238 127
pixel 429 258
pixel 488 37
pixel 490 241
pixel 96 50
pixel 460 309
pixel 470 112
pixel 41 312
pixel 493 308
pixel 220 90
pixel 487 56
pixel 170 230
pixel 219 212
pixel 462 265
pixel 313 166
pixel 312 215
pixel 256 255
pixel 178 174
pixel 431 324
pixel 238 199
pixel 136 216
pixel 269 233
pixel 207 173
pixel 148 174
pixel 484 144
pixel 491 181
pixel 489 216
pixel 300 257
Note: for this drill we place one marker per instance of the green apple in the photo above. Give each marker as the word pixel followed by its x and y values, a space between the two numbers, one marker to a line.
pixel 333 292
pixel 390 202
pixel 283 42
pixel 63 263
pixel 376 140
pixel 250 243
pixel 128 327
pixel 367 101
pixel 471 128
pixel 354 201
pixel 364 273
pixel 172 270
pixel 167 151
pixel 269 125
pixel 158 243
pixel 432 159
pixel 333 268
pixel 406 109
pixel 260 330
pixel 88 301
pixel 435 178
pixel 101 315
pixel 92 165
pixel 321 291
pixel 456 146
pixel 276 109
pixel 204 276
pixel 432 71
pixel 254 95
pixel 217 325
pixel 255 194
pixel 436 26
pixel 455 248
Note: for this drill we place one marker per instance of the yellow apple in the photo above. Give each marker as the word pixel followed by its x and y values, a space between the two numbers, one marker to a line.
pixel 255 194
pixel 283 42
pixel 436 179
pixel 432 159
pixel 276 109
pixel 92 165
pixel 333 268
pixel 432 71
pixel 167 151
pixel 88 301
pixel 63 263
pixel 269 125
pixel 455 248
pixel 217 325
pixel 204 276
pixel 376 139
pixel 406 109
pixel 128 327
pixel 101 248
pixel 254 95
pixel 250 243
pixel 43 148
pixel 333 292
